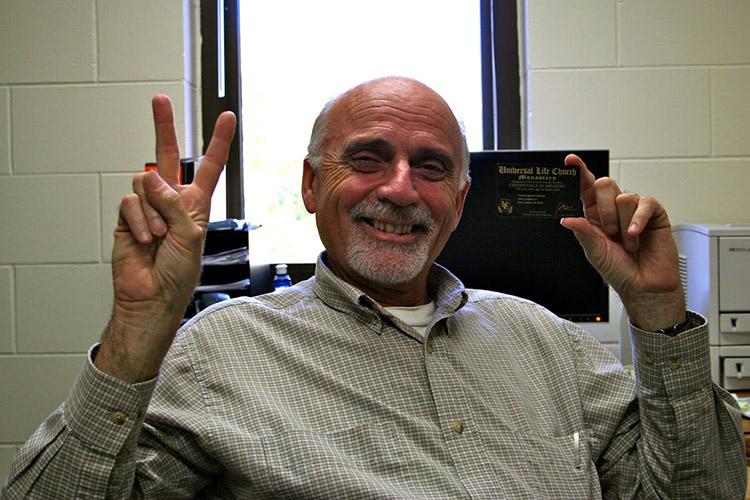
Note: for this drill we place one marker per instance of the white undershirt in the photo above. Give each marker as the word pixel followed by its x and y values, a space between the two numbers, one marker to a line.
pixel 418 317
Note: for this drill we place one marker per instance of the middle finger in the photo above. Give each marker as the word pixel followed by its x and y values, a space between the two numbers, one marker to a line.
pixel 607 191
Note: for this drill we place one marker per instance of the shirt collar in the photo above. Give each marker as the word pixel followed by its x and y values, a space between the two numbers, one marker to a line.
pixel 445 289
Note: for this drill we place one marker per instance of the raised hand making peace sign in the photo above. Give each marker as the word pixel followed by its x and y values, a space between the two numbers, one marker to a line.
pixel 157 251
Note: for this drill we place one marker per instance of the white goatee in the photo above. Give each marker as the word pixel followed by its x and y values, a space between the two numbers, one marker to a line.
pixel 385 262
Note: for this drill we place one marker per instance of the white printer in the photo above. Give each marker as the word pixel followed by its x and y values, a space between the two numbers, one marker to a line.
pixel 715 271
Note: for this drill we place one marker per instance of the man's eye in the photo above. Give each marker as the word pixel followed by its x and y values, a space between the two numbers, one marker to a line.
pixel 366 164
pixel 431 170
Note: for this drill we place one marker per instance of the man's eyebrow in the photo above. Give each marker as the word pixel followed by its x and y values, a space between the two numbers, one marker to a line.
pixel 376 145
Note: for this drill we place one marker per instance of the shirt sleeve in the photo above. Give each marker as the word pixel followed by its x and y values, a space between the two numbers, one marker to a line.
pixel 681 436
pixel 111 439
pixel 86 444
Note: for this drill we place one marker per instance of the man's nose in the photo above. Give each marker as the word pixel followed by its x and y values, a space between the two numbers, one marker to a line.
pixel 398 186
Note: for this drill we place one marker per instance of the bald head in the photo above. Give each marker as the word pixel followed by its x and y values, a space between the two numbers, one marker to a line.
pixel 370 92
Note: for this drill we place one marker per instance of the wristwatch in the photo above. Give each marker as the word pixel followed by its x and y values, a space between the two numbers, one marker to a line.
pixel 681 326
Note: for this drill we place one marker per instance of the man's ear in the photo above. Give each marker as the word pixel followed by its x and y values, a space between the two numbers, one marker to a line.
pixel 460 200
pixel 308 186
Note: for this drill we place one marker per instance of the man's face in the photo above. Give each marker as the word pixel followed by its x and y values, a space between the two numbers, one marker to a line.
pixel 387 194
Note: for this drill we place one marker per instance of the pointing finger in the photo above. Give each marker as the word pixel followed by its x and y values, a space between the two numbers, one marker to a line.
pixel 586 179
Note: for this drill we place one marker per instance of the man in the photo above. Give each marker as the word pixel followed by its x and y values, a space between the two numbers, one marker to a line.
pixel 382 376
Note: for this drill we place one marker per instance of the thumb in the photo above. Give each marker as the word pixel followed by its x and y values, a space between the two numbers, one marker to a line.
pixel 590 238
pixel 165 200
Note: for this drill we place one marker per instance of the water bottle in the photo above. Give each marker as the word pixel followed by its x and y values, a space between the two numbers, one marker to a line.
pixel 281 279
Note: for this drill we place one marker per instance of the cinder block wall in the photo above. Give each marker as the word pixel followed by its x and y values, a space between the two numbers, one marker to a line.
pixel 660 84
pixel 663 85
pixel 76 79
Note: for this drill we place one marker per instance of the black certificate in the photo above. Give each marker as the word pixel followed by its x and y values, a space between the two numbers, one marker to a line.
pixel 538 191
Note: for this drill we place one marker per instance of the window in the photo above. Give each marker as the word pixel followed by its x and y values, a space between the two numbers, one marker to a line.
pixel 292 64
pixel 297 55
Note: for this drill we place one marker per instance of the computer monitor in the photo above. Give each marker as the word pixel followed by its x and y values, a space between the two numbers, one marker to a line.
pixel 531 257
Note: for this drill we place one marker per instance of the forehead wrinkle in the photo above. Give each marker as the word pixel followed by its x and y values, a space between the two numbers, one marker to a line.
pixel 387 117
pixel 422 113
pixel 400 91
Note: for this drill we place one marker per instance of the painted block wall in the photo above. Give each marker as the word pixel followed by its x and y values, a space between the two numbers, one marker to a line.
pixel 76 80
pixel 661 85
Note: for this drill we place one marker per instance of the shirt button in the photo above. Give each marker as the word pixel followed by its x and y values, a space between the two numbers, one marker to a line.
pixel 119 417
pixel 674 363
pixel 649 359
pixel 457 426
pixel 429 347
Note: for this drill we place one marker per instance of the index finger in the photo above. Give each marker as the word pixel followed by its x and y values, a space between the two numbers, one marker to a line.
pixel 217 153
pixel 586 179
pixel 167 147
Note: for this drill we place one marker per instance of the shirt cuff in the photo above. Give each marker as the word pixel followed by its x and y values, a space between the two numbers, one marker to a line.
pixel 104 411
pixel 672 366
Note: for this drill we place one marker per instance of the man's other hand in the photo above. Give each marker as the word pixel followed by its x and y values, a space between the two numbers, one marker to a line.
pixel 628 239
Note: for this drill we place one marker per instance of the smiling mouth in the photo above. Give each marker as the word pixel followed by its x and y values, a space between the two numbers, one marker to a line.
pixel 392 228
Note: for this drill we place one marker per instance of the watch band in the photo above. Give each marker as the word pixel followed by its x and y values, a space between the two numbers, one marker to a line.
pixel 680 327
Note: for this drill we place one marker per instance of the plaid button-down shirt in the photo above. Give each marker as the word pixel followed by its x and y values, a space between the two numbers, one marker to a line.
pixel 318 392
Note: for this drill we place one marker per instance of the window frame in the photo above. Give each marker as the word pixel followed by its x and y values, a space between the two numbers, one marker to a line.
pixel 212 105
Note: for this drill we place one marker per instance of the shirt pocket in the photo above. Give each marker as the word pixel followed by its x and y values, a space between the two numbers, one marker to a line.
pixel 352 462
pixel 557 466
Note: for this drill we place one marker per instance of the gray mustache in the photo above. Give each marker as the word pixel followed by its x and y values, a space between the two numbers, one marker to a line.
pixel 418 216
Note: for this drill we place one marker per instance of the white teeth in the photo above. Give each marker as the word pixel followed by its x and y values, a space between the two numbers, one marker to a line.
pixel 390 228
